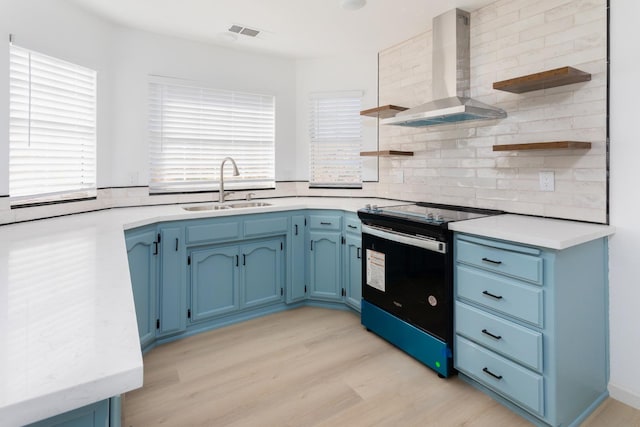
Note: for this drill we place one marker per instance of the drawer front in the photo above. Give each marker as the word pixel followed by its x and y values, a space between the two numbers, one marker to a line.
pixel 325 222
pixel 499 293
pixel 514 341
pixel 265 226
pixel 352 225
pixel 523 266
pixel 518 384
pixel 217 232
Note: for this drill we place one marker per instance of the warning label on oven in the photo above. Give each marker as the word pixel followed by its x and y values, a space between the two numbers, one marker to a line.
pixel 375 269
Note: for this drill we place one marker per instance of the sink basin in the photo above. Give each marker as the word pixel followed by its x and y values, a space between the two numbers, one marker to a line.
pixel 249 205
pixel 205 208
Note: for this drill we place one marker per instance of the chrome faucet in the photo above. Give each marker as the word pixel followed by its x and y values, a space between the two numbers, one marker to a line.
pixel 235 173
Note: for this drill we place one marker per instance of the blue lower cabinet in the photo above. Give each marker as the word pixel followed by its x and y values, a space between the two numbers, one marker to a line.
pixel 172 284
pixel 262 274
pixel 297 263
pixel 214 282
pixel 105 413
pixel 142 250
pixel 325 274
pixel 352 269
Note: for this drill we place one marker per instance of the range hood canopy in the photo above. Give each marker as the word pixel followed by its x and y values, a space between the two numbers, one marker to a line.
pixel 451 77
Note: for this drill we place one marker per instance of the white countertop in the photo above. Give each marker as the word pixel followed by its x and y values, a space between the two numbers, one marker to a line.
pixel 543 232
pixel 68 331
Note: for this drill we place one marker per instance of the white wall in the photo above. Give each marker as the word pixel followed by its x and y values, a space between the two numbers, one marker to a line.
pixel 138 54
pixel 352 72
pixel 624 246
pixel 55 28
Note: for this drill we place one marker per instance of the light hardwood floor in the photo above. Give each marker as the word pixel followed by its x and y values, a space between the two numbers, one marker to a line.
pixel 311 367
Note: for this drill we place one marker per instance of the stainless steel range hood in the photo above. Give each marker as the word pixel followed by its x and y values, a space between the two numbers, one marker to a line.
pixel 451 79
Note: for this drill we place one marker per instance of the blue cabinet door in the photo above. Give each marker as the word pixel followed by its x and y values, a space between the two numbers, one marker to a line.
pixel 214 282
pixel 93 415
pixel 297 260
pixel 325 265
pixel 142 249
pixel 173 291
pixel 262 275
pixel 352 268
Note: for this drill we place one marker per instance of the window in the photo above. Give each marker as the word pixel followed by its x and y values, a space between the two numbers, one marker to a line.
pixel 192 129
pixel 335 130
pixel 52 129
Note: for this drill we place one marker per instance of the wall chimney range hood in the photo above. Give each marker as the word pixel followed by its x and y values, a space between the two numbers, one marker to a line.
pixel 451 79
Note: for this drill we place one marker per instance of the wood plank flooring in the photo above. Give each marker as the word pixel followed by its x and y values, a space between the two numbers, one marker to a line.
pixel 311 367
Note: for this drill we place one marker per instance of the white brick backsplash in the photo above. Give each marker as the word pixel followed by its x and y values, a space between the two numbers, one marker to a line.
pixel 456 163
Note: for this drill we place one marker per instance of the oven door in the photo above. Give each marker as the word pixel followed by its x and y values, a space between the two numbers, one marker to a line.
pixel 408 277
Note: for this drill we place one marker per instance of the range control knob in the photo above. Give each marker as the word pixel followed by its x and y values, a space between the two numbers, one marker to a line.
pixel 430 216
pixel 368 206
pixel 375 208
pixel 439 218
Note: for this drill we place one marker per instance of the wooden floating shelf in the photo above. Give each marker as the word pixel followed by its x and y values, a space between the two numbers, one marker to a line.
pixel 544 80
pixel 386 153
pixel 555 145
pixel 383 112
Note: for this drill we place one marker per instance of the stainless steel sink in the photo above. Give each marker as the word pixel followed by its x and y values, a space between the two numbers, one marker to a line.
pixel 249 205
pixel 205 208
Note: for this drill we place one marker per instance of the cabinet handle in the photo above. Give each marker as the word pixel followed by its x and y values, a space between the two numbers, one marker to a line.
pixel 492 261
pixel 244 259
pixel 237 260
pixel 176 244
pixel 352 226
pixel 312 245
pixel 487 371
pixel 358 253
pixel 496 337
pixel 296 226
pixel 489 294
pixel 325 223
pixel 155 248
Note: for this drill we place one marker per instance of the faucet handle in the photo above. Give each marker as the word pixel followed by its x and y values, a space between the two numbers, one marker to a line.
pixel 249 195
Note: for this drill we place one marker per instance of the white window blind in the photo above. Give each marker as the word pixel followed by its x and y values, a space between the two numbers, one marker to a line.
pixel 52 128
pixel 335 129
pixel 192 129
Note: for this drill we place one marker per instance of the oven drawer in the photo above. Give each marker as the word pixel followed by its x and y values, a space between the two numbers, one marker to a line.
pixel 516 342
pixel 325 222
pixel 499 293
pixel 509 379
pixel 520 265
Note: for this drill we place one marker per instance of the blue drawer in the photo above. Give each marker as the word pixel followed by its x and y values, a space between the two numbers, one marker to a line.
pixel 502 294
pixel 325 222
pixel 520 265
pixel 518 343
pixel 266 226
pixel 352 224
pixel 216 232
pixel 509 379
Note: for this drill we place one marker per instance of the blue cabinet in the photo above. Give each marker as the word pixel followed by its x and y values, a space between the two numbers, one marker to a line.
pixel 531 325
pixel 297 260
pixel 142 250
pixel 214 282
pixel 352 262
pixel 325 256
pixel 172 283
pixel 262 274
pixel 99 414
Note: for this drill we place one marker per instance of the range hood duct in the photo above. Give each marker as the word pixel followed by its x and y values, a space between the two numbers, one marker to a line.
pixel 451 79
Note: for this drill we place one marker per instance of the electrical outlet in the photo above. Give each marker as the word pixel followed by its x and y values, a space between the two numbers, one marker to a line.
pixel 547 181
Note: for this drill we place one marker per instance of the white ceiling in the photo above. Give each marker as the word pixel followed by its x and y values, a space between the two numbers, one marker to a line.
pixel 291 28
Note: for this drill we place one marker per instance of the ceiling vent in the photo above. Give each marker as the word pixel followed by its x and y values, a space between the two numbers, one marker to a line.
pixel 239 29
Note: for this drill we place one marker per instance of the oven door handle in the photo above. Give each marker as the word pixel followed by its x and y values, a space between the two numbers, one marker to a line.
pixel 431 245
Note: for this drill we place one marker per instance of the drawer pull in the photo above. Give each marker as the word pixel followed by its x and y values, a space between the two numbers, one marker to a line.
pixel 489 294
pixel 352 226
pixel 487 371
pixel 497 337
pixel 492 261
pixel 325 223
